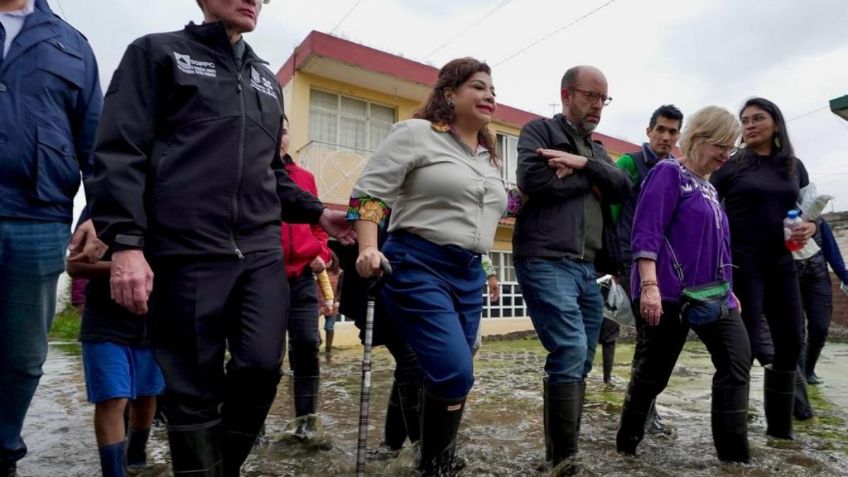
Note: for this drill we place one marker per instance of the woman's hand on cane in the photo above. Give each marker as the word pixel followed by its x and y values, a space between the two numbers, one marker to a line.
pixel 368 262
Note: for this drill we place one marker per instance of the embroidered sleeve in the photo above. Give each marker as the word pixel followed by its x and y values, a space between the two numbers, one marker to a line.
pixel 488 266
pixel 368 208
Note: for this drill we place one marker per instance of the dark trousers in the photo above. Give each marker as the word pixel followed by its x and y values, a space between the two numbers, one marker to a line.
pixel 817 299
pixel 304 340
pixel 658 347
pixel 770 287
pixel 434 298
pixel 203 306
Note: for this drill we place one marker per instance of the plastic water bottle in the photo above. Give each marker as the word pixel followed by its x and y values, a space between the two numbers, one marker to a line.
pixel 790 223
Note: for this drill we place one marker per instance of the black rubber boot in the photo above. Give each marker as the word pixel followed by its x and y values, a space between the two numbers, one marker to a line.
pixel 608 356
pixel 305 394
pixel 801 408
pixel 812 357
pixel 409 398
pixel 113 459
pixel 548 455
pixel 137 447
pixel 395 430
pixel 563 417
pixel 8 469
pixel 439 425
pixel 634 414
pixel 730 423
pixel 196 450
pixel 779 390
pixel 248 398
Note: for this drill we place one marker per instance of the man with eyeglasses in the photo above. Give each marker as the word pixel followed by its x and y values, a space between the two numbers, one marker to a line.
pixel 188 176
pixel 562 238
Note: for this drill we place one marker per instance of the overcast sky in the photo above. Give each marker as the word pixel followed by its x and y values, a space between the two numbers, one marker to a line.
pixel 690 53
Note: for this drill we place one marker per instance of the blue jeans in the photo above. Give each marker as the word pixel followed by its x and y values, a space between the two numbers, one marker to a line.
pixel 434 296
pixel 567 310
pixel 32 256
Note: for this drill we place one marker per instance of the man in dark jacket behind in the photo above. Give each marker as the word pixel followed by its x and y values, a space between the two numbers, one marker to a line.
pixel 188 175
pixel 50 102
pixel 564 231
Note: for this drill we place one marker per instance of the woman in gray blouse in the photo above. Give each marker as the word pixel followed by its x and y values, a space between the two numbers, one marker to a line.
pixel 435 182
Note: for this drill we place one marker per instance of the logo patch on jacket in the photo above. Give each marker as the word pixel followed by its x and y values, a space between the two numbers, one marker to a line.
pixel 195 67
pixel 263 85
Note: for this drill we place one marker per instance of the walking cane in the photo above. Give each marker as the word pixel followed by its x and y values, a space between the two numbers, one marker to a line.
pixel 365 390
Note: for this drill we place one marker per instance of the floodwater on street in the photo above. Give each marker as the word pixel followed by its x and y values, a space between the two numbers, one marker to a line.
pixel 501 433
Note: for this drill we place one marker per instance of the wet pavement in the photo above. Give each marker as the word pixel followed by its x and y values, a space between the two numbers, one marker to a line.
pixel 501 433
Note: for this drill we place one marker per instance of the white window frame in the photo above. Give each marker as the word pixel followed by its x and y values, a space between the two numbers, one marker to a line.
pixel 508 151
pixel 337 112
pixel 511 303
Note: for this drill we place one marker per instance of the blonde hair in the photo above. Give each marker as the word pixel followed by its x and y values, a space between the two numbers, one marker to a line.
pixel 711 124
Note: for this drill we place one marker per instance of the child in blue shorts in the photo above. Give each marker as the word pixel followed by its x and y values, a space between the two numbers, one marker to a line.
pixel 119 369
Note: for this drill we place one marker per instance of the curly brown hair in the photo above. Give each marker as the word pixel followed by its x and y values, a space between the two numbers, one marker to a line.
pixel 437 109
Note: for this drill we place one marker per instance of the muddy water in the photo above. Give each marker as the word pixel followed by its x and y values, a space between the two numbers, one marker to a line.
pixel 502 429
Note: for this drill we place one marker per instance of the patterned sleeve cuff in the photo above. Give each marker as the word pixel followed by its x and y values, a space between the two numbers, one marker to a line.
pixel 488 266
pixel 368 208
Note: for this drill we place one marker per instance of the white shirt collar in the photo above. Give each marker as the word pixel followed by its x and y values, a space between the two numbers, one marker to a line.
pixel 28 9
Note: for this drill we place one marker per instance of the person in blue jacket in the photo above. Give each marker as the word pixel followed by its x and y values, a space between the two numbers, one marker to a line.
pixel 50 103
pixel 817 295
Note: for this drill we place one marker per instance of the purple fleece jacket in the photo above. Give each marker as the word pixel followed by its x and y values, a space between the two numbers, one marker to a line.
pixel 675 204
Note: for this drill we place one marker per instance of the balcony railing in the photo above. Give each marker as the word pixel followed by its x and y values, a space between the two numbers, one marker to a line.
pixel 335 167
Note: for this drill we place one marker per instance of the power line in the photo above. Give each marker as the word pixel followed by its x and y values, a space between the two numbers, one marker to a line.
pixel 806 114
pixel 841 122
pixel 522 50
pixel 470 27
pixel 64 15
pixel 345 16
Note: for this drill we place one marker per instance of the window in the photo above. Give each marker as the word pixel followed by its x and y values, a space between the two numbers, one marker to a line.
pixel 511 304
pixel 507 149
pixel 348 122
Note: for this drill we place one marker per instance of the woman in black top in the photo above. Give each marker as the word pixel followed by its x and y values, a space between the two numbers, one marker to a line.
pixel 759 186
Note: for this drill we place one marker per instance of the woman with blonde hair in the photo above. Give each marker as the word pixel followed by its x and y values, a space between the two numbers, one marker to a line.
pixel 682 277
pixel 435 181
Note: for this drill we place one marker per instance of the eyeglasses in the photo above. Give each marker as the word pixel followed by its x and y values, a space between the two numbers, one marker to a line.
pixel 728 148
pixel 593 96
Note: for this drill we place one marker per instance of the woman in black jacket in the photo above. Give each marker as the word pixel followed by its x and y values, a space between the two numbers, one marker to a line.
pixel 759 186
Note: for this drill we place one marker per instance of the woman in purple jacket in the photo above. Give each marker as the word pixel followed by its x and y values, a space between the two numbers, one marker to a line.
pixel 681 240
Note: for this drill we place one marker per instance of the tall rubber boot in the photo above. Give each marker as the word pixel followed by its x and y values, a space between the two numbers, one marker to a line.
pixel 113 461
pixel 409 397
pixel 608 356
pixel 395 430
pixel 548 455
pixel 813 353
pixel 563 417
pixel 634 413
pixel 779 391
pixel 305 390
pixel 730 423
pixel 328 345
pixel 440 420
pixel 801 408
pixel 137 447
pixel 196 450
pixel 8 469
pixel 248 397
pixel 305 394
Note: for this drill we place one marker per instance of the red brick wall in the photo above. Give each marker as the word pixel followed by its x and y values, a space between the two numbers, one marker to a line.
pixel 840 304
